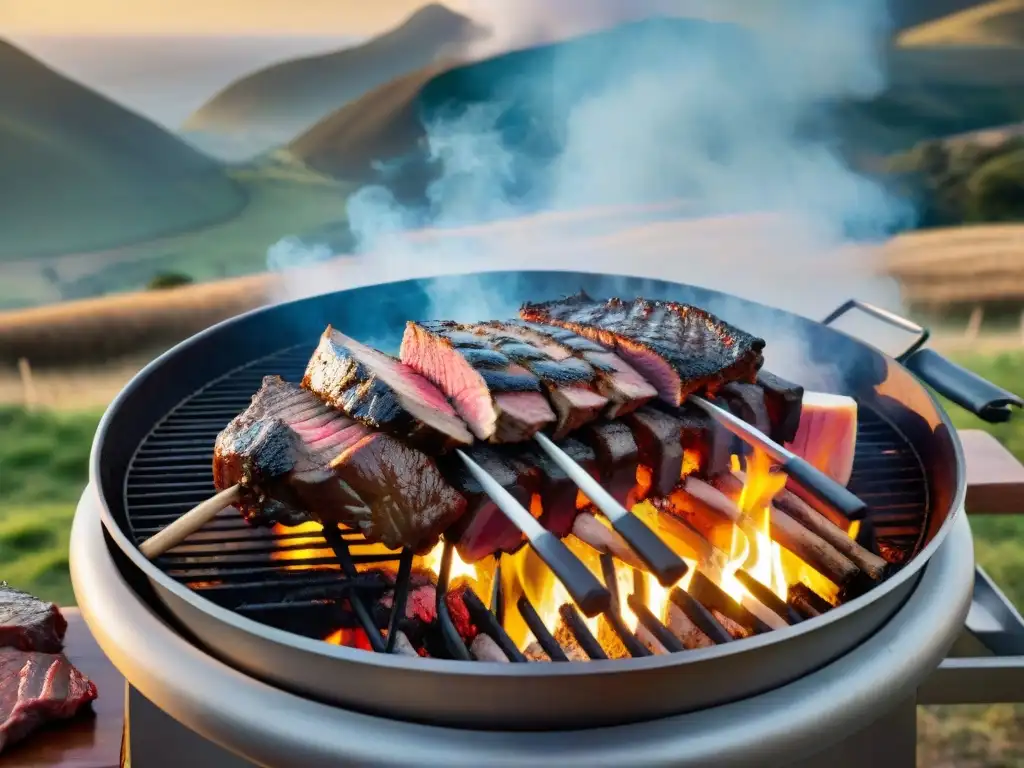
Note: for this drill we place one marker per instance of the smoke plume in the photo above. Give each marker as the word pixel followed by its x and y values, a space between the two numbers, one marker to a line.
pixel 699 159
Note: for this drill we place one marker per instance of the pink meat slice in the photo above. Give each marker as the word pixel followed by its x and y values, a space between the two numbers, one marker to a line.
pixel 37 688
pixel 500 401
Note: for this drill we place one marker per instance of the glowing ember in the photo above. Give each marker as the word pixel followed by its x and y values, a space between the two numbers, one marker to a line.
pixel 304 547
pixel 853 530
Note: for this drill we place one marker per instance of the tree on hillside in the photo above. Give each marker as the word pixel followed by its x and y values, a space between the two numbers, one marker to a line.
pixel 168 280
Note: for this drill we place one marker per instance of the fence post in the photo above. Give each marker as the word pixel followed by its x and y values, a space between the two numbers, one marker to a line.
pixel 28 386
pixel 974 323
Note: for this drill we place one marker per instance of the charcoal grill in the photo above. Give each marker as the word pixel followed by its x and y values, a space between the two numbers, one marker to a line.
pixel 151 462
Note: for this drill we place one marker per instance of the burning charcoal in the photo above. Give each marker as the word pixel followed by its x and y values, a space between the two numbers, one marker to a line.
pixel 565 638
pixel 483 648
pixel 382 392
pixel 37 688
pixel 484 529
pixel 806 602
pixel 784 401
pixel 499 400
pixel 681 626
pixel 735 629
pixel 28 623
pixel 678 348
pixel 534 652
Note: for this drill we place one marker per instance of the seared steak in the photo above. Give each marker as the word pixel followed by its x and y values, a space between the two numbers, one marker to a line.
pixel 500 400
pixel 36 688
pixel 380 391
pixel 569 381
pixel 678 348
pixel 783 400
pixel 615 379
pixel 28 623
pixel 296 456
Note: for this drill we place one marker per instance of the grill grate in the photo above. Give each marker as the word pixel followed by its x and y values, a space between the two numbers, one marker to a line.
pixel 234 565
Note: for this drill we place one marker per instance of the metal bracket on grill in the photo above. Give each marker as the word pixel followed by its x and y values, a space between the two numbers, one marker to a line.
pixel 986 665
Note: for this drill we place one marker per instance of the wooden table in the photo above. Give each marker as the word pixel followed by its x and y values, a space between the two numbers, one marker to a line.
pixel 996 486
pixel 87 741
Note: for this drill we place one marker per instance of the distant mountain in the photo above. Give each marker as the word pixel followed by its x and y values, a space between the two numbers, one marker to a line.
pixel 274 105
pixel 996 23
pixel 381 135
pixel 79 172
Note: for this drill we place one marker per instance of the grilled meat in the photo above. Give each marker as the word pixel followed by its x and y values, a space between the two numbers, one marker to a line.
pixel 501 401
pixel 678 348
pixel 296 456
pixel 659 437
pixel 28 623
pixel 784 401
pixel 550 485
pixel 617 458
pixel 615 379
pixel 484 529
pixel 382 392
pixel 748 402
pixel 568 380
pixel 37 688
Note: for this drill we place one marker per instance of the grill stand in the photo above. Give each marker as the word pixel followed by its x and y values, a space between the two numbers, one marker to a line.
pixel 275 728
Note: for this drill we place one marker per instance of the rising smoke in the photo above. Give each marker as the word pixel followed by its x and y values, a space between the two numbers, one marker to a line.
pixel 695 154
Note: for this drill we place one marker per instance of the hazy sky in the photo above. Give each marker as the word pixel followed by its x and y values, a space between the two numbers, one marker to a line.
pixel 201 17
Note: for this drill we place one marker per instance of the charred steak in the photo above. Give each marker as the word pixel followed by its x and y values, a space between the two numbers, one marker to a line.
pixel 296 457
pixel 28 623
pixel 384 393
pixel 678 348
pixel 36 688
pixel 500 400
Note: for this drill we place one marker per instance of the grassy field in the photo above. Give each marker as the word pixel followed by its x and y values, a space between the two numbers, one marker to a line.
pixel 43 466
pixel 283 199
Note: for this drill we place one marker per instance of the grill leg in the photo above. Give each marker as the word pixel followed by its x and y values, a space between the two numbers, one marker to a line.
pixel 154 739
pixel 889 742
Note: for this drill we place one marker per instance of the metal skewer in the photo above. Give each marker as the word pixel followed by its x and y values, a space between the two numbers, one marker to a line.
pixel 665 564
pixel 812 479
pixel 585 588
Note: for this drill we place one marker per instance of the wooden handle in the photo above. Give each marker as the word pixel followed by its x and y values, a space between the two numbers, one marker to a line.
pixel 189 523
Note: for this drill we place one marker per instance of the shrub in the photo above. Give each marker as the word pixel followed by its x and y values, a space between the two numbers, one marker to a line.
pixel 168 280
pixel 995 191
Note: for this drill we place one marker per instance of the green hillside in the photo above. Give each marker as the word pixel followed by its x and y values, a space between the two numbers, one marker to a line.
pixel 79 172
pixel 270 107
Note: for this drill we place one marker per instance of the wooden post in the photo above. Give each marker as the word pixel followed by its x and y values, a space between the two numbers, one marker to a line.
pixel 974 323
pixel 28 386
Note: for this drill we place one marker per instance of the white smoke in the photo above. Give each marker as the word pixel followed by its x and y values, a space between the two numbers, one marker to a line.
pixel 694 167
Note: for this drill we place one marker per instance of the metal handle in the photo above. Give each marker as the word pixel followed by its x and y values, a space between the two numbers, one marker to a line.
pixel 965 388
pixel 897 321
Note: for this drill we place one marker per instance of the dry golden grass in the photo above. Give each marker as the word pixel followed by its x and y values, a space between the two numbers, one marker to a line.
pixel 96 330
pixel 959 265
